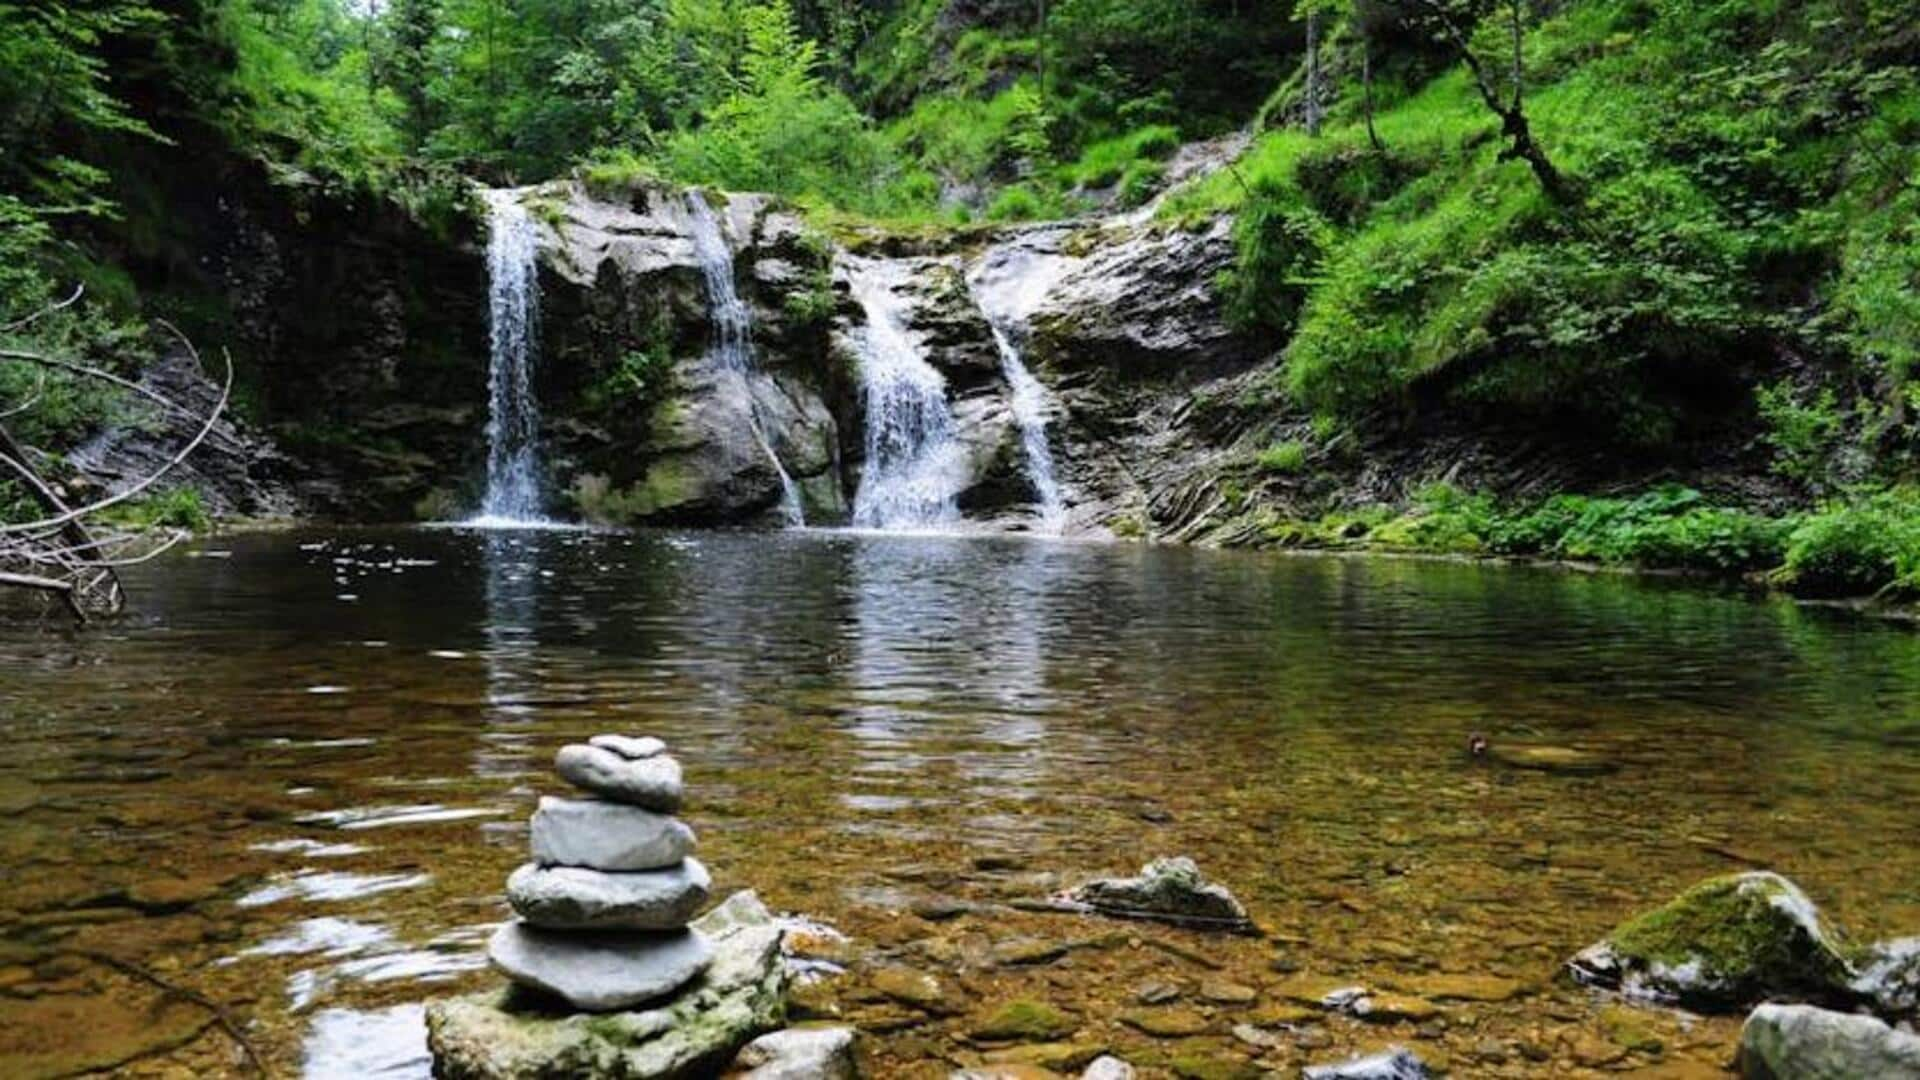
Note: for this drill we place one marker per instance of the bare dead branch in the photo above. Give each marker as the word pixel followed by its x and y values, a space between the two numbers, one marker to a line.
pixel 22 323
pixel 145 482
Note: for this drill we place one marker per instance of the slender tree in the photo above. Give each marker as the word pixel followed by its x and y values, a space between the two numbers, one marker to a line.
pixel 1453 20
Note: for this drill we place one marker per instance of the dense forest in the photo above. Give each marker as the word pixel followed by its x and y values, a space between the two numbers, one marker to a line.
pixel 1622 225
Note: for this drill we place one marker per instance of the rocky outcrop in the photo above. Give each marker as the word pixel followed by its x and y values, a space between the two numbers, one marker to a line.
pixel 647 424
pixel 237 470
pixel 1723 944
pixel 1801 1042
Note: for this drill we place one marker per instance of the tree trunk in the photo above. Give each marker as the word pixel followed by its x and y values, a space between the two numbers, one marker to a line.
pixel 1313 74
pixel 1366 83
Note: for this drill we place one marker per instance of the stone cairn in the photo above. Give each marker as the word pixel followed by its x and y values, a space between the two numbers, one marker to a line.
pixel 604 905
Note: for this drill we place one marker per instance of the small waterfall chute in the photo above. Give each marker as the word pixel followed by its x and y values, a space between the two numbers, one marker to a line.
pixel 915 465
pixel 513 331
pixel 1007 285
pixel 733 336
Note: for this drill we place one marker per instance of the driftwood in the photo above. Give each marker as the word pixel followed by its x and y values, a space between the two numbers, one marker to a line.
pixel 64 552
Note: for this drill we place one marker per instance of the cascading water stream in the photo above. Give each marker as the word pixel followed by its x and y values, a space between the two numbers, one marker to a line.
pixel 733 335
pixel 513 323
pixel 915 465
pixel 1007 285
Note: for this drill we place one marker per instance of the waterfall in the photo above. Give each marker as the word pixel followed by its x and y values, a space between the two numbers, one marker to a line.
pixel 513 326
pixel 915 465
pixel 733 335
pixel 1007 285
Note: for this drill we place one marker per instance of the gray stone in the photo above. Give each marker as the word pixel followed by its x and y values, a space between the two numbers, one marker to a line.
pixel 1725 943
pixel 1801 1042
pixel 1890 976
pixel 1108 1067
pixel 607 836
pixel 575 898
pixel 1167 890
pixel 653 782
pixel 499 1036
pixel 1396 1063
pixel 631 747
pixel 819 1053
pixel 599 970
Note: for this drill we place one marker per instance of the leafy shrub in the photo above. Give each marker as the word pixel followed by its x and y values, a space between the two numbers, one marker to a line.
pixel 1284 458
pixel 175 508
pixel 1018 203
pixel 1140 180
pixel 1281 245
pixel 1854 548
pixel 1107 161
pixel 1802 434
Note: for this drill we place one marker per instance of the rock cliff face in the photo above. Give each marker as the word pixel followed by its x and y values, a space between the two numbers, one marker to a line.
pixel 362 341
pixel 1119 322
pixel 646 421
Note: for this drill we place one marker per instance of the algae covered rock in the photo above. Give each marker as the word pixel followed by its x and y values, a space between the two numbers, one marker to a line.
pixel 1725 943
pixel 1801 1042
pixel 504 1035
pixel 1167 890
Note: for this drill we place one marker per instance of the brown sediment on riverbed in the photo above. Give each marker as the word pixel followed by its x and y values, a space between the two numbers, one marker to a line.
pixel 879 727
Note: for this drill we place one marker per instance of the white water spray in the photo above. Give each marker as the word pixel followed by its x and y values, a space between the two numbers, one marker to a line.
pixel 513 414
pixel 733 335
pixel 1007 285
pixel 915 465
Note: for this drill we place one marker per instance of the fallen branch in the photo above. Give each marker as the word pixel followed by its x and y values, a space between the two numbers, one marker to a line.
pixel 221 1017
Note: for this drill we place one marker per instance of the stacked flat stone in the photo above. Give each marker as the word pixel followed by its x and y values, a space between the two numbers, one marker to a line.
pixel 604 905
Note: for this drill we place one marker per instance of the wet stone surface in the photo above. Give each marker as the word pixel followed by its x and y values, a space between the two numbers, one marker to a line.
pixel 303 807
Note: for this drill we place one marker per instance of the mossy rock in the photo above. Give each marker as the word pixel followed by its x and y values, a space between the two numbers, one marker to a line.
pixel 1722 945
pixel 1024 1021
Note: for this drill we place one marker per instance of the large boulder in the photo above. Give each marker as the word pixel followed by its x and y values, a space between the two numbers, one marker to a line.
pixel 1721 945
pixel 505 1035
pixel 1801 1042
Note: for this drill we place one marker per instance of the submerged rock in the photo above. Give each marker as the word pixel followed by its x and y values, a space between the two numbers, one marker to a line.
pixel 1167 890
pixel 1801 1042
pixel 610 969
pixel 575 898
pixel 1397 1063
pixel 607 836
pixel 1725 943
pixel 822 1053
pixel 504 1035
pixel 1562 760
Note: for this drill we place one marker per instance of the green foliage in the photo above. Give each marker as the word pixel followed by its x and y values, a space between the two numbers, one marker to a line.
pixel 1281 246
pixel 1283 458
pixel 175 508
pixel 1803 434
pixel 1666 528
pixel 1856 547
pixel 1108 161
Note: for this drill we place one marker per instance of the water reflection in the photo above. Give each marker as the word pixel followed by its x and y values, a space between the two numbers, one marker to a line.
pixel 870 722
